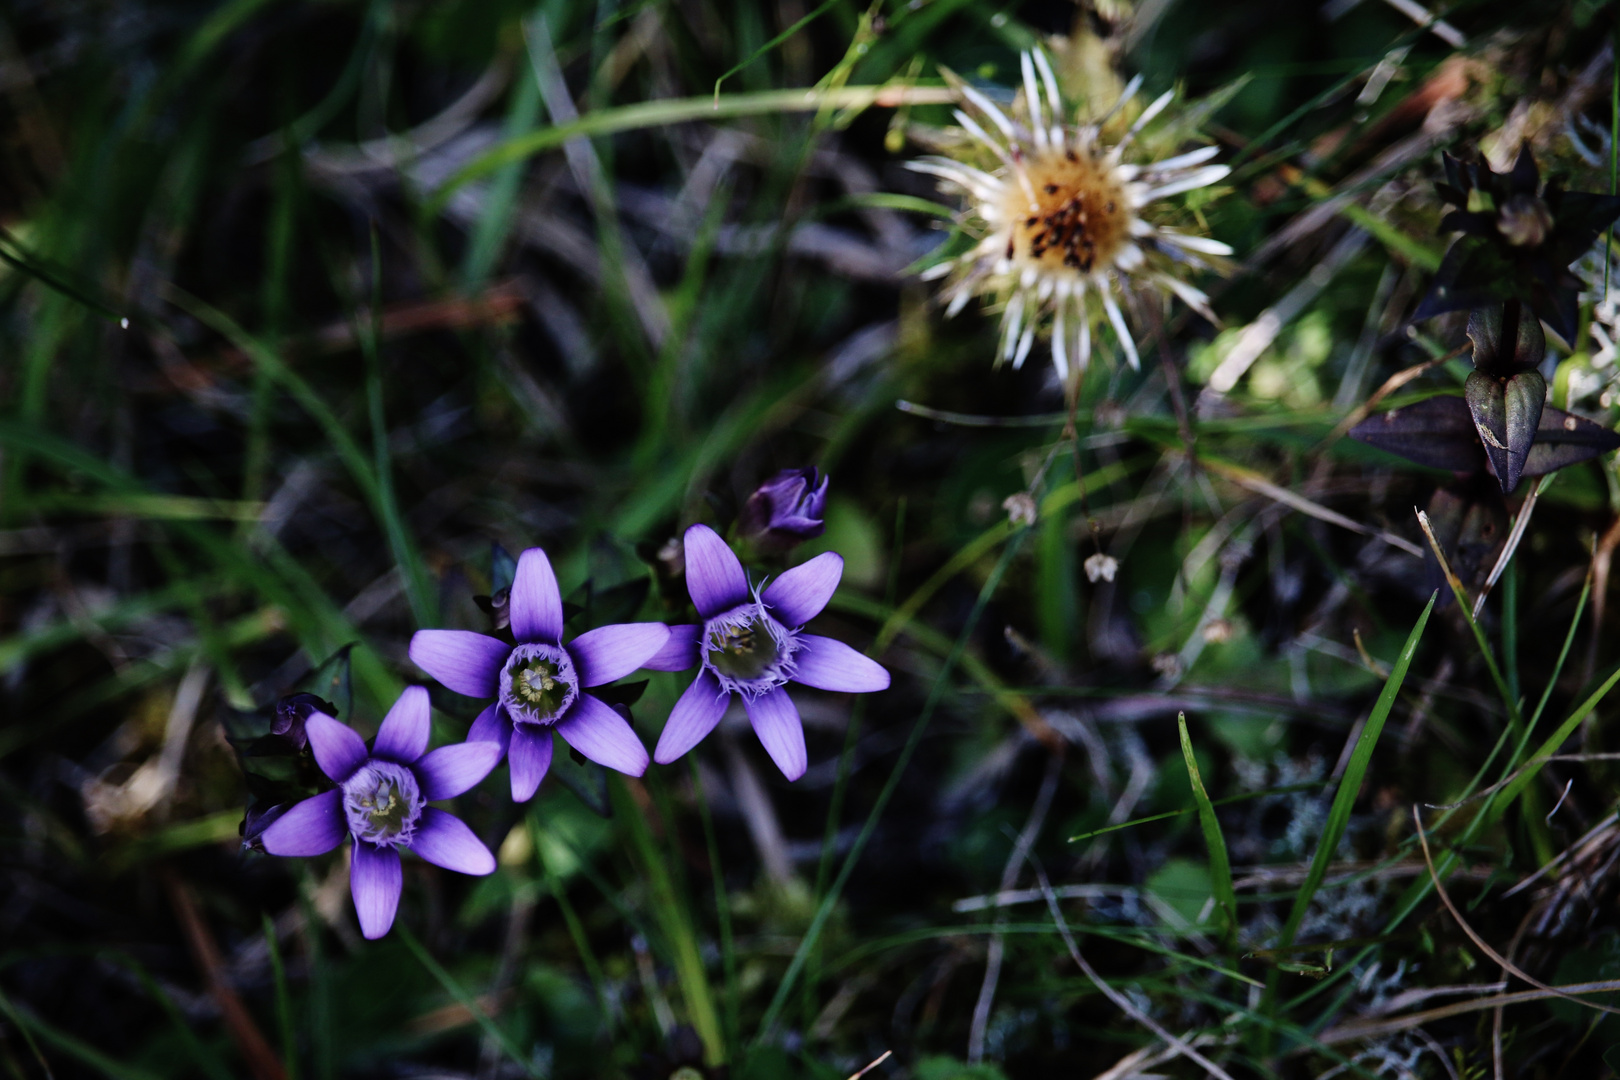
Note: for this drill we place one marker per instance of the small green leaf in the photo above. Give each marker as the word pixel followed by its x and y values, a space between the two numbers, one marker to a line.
pixel 1220 865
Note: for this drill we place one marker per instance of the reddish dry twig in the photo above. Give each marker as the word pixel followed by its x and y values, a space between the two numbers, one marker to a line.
pixel 261 1060
pixel 1479 942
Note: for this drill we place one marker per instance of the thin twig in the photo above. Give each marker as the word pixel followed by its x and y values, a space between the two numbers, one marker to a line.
pixel 1520 523
pixel 880 1059
pixel 1123 1003
pixel 1009 878
pixel 1479 942
pixel 1261 486
pixel 1562 855
pixel 1356 1030
pixel 255 1049
pixel 1391 384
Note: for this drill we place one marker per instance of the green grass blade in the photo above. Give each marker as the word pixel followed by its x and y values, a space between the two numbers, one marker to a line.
pixel 1354 774
pixel 494 224
pixel 1563 654
pixel 935 695
pixel 284 1011
pixel 722 912
pixel 1220 864
pixel 771 44
pixel 467 1001
pixel 406 557
pixel 1556 739
pixel 32 1026
pixel 675 921
pixel 1286 789
pixel 318 1015
pixel 205 1059
pixel 307 397
pixel 576 929
pixel 646 114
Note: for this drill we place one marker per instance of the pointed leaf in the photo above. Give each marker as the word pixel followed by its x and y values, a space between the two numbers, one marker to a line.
pixel 1487 403
pixel 1457 174
pixel 332 681
pixel 1473 273
pixel 1524 177
pixel 1558 303
pixel 502 569
pixel 1524 395
pixel 1437 432
pixel 1579 217
pixel 1564 439
pixel 1490 352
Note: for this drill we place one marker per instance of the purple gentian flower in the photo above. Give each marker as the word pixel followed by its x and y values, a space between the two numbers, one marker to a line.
pixel 752 644
pixel 786 509
pixel 540 683
pixel 381 800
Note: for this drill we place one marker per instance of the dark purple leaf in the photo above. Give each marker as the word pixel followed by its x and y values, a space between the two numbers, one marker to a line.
pixel 1437 432
pixel 1564 439
pixel 1485 332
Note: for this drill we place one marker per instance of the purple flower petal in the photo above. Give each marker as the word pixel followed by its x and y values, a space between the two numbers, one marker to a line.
pixel 466 662
pixel 338 750
pixel 679 652
pixel 829 664
pixel 536 602
pixel 800 593
pixel 530 758
pixel 692 718
pixel 714 577
pixel 612 652
pixel 444 840
pixel 312 827
pixel 450 770
pixel 492 725
pixel 776 722
pixel 375 881
pixel 595 730
pixel 403 736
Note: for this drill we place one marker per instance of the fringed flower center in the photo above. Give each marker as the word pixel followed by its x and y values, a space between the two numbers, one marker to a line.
pixel 748 651
pixel 1080 217
pixel 383 803
pixel 538 683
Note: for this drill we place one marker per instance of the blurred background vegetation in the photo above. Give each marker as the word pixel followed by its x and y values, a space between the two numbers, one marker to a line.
pixel 306 305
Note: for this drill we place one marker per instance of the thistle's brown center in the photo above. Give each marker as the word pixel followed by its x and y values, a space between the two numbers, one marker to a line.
pixel 1079 220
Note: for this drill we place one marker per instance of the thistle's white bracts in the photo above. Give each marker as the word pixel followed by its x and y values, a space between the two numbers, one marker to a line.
pixel 1068 231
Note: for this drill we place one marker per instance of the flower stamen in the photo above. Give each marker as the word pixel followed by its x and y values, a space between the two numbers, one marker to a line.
pixel 383 803
pixel 538 683
pixel 748 651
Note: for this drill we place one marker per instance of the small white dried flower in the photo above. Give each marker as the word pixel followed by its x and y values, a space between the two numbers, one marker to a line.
pixel 1100 566
pixel 1021 509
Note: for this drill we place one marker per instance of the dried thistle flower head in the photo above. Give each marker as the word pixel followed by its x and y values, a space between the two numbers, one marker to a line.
pixel 1067 227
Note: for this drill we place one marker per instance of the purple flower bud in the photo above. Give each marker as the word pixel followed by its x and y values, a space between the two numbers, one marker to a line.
pixel 258 818
pixel 291 713
pixel 786 509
